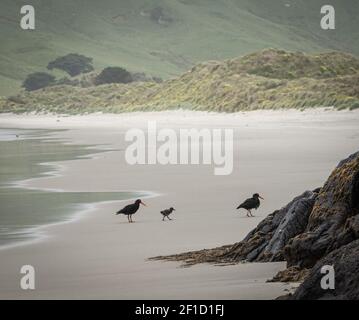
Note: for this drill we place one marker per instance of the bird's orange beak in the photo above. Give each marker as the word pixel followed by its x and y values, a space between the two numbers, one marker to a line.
pixel 143 204
pixel 261 197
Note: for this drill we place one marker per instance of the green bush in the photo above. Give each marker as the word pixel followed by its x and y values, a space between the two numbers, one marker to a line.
pixel 354 106
pixel 72 63
pixel 38 80
pixel 113 75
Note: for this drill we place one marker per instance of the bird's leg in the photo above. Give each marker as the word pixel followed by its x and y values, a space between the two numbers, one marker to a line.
pixel 248 213
pixel 131 217
pixel 251 213
pixel 128 218
pixel 169 218
pixel 163 219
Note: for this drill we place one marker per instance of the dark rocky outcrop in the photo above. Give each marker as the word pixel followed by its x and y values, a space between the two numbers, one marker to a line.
pixel 317 228
pixel 333 221
pixel 345 261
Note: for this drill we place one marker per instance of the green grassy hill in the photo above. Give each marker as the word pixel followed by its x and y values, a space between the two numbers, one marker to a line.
pixel 164 38
pixel 268 79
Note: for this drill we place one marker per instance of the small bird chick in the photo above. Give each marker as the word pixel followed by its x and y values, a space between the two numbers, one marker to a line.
pixel 166 213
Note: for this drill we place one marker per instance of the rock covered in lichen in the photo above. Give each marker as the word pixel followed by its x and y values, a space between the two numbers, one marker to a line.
pixel 333 221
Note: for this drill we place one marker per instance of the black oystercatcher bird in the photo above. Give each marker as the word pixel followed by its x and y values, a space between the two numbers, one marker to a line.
pixel 251 203
pixel 166 213
pixel 130 209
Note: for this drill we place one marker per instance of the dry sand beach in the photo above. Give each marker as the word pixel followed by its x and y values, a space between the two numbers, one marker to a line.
pixel 100 255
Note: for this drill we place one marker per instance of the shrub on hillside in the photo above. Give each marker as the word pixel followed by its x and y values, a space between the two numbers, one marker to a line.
pixel 72 63
pixel 16 99
pixel 142 77
pixel 38 80
pixel 67 81
pixel 354 105
pixel 113 75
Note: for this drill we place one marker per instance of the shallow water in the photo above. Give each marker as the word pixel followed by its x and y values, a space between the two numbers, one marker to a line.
pixel 22 210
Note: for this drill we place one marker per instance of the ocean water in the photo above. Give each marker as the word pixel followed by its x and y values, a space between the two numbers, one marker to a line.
pixel 22 211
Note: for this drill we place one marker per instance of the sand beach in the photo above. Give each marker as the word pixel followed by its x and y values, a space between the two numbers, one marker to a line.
pixel 100 255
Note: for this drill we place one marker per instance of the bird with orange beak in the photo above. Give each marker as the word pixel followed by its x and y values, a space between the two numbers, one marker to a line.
pixel 131 209
pixel 251 203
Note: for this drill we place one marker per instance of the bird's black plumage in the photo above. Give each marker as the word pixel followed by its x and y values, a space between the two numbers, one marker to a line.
pixel 251 203
pixel 167 212
pixel 130 209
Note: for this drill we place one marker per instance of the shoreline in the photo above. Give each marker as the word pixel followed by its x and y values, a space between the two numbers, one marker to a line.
pixel 102 256
pixel 41 232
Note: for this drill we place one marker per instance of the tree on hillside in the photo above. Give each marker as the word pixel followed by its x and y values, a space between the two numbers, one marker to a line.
pixel 113 75
pixel 72 63
pixel 38 80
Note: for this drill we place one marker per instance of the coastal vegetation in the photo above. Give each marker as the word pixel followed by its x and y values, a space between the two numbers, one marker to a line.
pixel 267 79
pixel 38 80
pixel 113 75
pixel 72 63
pixel 81 73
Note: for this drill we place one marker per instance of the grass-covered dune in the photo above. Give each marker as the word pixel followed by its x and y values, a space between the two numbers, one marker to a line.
pixel 268 79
